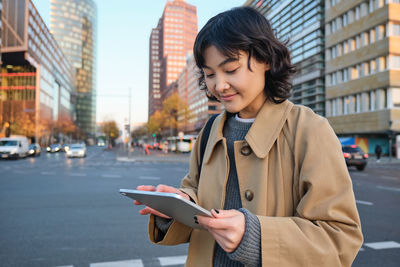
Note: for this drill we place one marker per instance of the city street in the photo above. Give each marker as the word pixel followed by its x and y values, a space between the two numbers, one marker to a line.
pixel 68 212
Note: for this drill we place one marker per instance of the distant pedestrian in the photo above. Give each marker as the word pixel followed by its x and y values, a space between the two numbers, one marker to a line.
pixel 275 199
pixel 378 152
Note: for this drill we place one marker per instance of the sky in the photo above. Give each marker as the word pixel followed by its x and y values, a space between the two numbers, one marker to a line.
pixel 123 31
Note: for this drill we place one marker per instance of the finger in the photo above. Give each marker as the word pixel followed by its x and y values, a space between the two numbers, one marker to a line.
pixel 149 210
pixel 212 223
pixel 137 202
pixel 146 188
pixel 224 213
pixel 167 189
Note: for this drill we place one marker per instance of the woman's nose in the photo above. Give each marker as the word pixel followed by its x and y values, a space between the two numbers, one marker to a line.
pixel 221 85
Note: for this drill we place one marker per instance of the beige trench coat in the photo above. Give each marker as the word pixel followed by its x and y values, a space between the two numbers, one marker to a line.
pixel 294 179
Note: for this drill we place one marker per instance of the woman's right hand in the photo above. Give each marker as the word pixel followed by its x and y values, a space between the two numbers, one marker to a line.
pixel 159 188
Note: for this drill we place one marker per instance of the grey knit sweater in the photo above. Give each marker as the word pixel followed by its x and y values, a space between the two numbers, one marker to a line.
pixel 249 250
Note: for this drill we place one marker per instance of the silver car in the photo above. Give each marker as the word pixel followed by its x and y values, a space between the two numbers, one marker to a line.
pixel 76 150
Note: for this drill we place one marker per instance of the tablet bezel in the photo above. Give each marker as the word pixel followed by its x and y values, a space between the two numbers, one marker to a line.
pixel 170 204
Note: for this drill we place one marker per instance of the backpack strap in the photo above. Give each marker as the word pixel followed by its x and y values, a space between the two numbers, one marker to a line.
pixel 204 139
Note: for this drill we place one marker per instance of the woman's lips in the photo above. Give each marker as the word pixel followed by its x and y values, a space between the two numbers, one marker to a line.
pixel 226 98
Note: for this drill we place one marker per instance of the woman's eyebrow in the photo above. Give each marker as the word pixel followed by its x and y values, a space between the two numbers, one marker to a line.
pixel 226 61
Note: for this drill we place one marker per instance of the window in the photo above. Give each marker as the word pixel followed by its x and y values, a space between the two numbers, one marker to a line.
pixel 344 20
pixel 382 63
pixel 372 66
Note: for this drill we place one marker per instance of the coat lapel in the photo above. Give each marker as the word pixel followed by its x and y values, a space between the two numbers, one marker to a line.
pixel 262 134
pixel 267 126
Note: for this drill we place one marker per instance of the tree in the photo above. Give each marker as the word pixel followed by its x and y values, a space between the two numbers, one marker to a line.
pixel 66 126
pixel 175 114
pixel 24 124
pixel 155 123
pixel 110 129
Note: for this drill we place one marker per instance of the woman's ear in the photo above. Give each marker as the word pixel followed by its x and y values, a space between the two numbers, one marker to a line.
pixel 267 66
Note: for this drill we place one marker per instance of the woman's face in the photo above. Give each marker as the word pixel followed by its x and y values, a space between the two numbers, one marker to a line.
pixel 231 82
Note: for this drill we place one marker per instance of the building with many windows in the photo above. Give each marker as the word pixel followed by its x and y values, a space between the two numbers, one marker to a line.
pixel 200 107
pixel 301 23
pixel 169 42
pixel 74 25
pixel 363 70
pixel 37 81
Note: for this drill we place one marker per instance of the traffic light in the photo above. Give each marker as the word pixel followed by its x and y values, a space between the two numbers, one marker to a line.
pixel 154 135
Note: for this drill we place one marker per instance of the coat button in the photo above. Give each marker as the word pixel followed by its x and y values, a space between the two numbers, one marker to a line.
pixel 249 195
pixel 245 150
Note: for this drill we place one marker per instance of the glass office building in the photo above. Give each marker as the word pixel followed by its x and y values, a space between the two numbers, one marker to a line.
pixel 301 23
pixel 37 87
pixel 74 25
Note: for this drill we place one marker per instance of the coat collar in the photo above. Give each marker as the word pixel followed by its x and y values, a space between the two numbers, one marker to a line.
pixel 262 134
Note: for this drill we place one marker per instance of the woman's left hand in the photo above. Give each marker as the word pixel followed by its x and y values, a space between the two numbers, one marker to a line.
pixel 227 227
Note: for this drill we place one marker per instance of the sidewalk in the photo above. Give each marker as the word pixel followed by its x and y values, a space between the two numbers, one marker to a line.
pixel 155 155
pixel 383 160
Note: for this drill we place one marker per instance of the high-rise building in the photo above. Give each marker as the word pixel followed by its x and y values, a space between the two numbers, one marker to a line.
pixel 37 81
pixel 74 25
pixel 363 70
pixel 200 107
pixel 155 69
pixel 169 42
pixel 301 23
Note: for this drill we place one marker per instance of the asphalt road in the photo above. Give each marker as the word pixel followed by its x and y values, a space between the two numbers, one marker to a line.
pixel 68 212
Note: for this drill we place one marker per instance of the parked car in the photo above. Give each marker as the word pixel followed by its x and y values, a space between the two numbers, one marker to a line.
pixel 354 156
pixel 65 147
pixel 34 150
pixel 14 147
pixel 76 150
pixel 54 148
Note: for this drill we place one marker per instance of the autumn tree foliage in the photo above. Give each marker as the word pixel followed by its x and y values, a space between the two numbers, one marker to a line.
pixel 174 116
pixel 110 129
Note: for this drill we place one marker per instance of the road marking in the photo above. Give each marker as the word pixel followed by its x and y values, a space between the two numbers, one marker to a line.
pixel 111 175
pixel 78 174
pixel 149 178
pixel 395 189
pixel 364 202
pixel 127 263
pixel 167 261
pixel 383 245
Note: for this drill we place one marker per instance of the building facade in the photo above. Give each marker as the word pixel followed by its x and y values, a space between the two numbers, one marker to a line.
pixel 363 70
pixel 155 69
pixel 74 25
pixel 200 107
pixel 169 42
pixel 37 81
pixel 301 23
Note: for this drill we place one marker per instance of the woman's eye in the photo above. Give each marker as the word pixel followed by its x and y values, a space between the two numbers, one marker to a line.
pixel 231 71
pixel 209 75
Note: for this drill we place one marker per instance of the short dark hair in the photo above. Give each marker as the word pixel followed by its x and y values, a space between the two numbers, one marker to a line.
pixel 245 29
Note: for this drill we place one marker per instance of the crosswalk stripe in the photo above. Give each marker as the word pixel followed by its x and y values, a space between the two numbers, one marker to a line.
pixel 127 263
pixel 364 202
pixel 175 260
pixel 149 178
pixel 383 245
pixel 395 189
pixel 78 174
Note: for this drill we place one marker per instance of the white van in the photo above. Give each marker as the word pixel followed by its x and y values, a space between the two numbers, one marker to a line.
pixel 14 147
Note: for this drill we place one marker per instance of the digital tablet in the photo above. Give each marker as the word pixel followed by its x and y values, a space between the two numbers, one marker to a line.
pixel 170 204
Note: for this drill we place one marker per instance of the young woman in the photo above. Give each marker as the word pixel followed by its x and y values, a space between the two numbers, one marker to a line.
pixel 273 173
